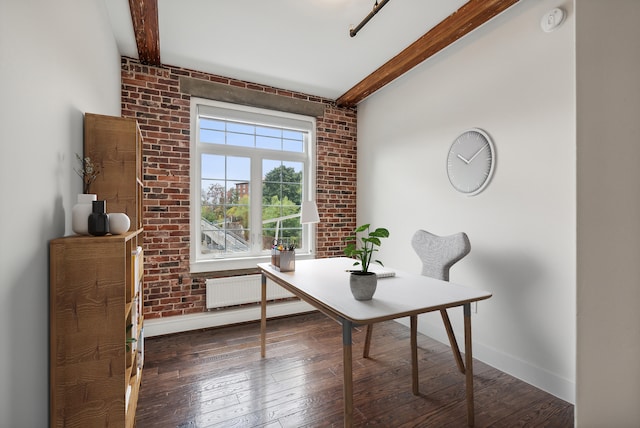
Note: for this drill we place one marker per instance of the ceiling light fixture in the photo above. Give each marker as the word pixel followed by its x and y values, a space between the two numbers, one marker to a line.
pixel 376 8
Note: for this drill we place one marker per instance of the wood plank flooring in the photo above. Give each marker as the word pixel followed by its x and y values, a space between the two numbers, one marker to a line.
pixel 216 378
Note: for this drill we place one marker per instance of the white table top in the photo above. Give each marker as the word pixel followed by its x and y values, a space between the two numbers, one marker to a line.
pixel 325 283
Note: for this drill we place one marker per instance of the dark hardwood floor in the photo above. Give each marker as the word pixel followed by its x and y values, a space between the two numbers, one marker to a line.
pixel 216 378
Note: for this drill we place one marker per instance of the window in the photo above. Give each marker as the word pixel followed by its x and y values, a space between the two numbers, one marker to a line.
pixel 251 170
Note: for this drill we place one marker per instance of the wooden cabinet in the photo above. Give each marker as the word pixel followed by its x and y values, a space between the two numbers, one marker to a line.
pixel 115 144
pixel 96 367
pixel 96 293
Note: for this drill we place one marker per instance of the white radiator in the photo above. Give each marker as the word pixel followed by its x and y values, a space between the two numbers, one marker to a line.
pixel 240 290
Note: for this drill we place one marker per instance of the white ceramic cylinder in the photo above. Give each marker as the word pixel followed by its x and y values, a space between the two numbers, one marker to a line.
pixel 118 223
pixel 80 213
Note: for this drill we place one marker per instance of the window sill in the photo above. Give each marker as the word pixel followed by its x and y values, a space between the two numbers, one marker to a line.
pixel 237 263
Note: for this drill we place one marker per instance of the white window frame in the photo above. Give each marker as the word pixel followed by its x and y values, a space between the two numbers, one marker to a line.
pixel 222 110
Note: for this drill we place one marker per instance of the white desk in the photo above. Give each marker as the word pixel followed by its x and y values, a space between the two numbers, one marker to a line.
pixel 324 283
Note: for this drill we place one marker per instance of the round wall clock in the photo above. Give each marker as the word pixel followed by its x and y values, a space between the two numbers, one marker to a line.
pixel 471 161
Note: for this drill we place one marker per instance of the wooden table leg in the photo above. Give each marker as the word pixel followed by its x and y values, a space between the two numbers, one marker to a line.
pixel 263 318
pixel 468 363
pixel 367 341
pixel 347 359
pixel 414 354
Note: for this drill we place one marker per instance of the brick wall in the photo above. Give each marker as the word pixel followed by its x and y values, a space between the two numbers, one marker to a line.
pixel 152 96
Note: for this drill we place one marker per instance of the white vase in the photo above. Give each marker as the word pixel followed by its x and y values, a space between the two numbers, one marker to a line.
pixel 80 213
pixel 118 223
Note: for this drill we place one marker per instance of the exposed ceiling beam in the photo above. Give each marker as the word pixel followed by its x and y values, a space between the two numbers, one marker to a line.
pixel 144 14
pixel 466 19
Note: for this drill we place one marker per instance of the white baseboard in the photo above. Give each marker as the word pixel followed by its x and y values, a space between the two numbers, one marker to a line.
pixel 536 376
pixel 177 324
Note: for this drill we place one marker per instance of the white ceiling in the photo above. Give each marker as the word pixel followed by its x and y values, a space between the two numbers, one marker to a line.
pixel 300 45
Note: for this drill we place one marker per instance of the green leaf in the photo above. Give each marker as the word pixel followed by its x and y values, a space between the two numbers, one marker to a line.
pixel 368 243
pixel 373 240
pixel 380 233
pixel 362 228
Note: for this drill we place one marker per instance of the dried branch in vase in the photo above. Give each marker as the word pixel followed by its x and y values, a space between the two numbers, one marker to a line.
pixel 88 171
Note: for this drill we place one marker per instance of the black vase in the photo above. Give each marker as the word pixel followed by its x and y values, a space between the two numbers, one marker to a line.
pixel 98 219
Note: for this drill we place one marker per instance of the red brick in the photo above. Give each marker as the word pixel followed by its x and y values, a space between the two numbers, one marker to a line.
pixel 151 95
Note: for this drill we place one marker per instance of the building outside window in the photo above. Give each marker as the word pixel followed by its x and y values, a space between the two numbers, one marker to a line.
pixel 251 171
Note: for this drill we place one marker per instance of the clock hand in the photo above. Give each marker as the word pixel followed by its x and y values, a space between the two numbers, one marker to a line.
pixel 477 153
pixel 463 159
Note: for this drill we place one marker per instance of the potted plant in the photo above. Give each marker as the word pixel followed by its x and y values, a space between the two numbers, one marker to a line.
pixel 362 244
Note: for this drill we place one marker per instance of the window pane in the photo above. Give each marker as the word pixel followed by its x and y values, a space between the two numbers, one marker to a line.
pixel 225 209
pixel 269 165
pixel 292 135
pixel 212 131
pixel 292 192
pixel 268 131
pixel 240 128
pixel 212 166
pixel 269 143
pixel 281 199
pixel 297 168
pixel 242 140
pixel 238 168
pixel 213 192
pixel 292 146
pixel 212 124
pixel 211 137
pixel 293 141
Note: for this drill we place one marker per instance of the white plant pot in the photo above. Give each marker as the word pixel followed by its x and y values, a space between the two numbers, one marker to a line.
pixel 80 213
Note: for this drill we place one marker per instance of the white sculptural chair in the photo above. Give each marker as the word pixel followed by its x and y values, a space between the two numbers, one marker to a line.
pixel 438 254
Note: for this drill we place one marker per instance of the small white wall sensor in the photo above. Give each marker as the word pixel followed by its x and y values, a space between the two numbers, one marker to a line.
pixel 552 20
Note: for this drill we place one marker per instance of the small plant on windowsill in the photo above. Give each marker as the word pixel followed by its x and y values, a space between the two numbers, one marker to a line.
pixel 88 171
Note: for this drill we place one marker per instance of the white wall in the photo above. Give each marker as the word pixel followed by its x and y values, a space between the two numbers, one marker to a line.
pixel 608 140
pixel 57 60
pixel 517 83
